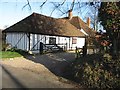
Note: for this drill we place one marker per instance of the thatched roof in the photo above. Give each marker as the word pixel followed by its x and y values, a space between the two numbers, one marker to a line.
pixel 41 24
pixel 80 24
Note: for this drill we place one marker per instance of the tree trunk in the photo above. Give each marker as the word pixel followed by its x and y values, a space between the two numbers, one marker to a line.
pixel 115 48
pixel 85 48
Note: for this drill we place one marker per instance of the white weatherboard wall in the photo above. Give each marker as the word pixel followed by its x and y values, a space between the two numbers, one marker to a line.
pixel 35 40
pixel 18 40
pixel 80 42
pixel 45 40
pixel 21 41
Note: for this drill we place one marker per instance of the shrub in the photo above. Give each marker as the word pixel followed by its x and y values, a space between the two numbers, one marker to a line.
pixel 4 46
pixel 22 52
pixel 97 72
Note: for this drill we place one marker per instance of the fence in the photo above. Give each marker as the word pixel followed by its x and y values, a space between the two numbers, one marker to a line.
pixel 52 47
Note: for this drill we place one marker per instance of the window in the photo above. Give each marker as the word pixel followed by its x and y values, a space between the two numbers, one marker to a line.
pixel 74 40
pixel 52 40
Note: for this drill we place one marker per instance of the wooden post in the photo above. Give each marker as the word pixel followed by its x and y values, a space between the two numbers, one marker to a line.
pixel 69 43
pixel 29 41
pixel 41 48
pixel 66 47
pixel 76 53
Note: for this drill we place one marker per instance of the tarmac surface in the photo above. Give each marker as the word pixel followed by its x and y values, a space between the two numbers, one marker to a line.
pixel 38 71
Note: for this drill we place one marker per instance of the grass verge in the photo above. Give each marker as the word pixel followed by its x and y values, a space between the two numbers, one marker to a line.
pixel 9 54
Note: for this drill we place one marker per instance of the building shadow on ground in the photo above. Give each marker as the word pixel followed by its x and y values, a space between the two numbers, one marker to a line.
pixel 55 62
pixel 13 78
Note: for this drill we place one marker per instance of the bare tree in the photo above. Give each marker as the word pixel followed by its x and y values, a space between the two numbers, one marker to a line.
pixel 27 4
pixel 75 5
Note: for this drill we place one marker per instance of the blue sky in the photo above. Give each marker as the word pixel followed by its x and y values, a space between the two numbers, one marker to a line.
pixel 11 11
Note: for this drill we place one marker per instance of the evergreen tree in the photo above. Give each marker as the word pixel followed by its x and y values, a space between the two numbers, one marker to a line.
pixel 109 15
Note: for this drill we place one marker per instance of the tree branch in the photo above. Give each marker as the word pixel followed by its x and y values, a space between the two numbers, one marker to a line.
pixel 28 4
pixel 72 5
pixel 57 6
pixel 43 4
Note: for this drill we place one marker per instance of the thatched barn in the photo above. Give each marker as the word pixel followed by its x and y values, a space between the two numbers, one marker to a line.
pixel 28 33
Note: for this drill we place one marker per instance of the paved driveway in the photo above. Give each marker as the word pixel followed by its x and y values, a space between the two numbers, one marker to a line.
pixel 20 78
pixel 37 71
pixel 55 62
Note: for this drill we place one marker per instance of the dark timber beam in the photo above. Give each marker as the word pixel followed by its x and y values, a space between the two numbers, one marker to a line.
pixel 28 35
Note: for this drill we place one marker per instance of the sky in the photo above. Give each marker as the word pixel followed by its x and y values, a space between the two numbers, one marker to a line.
pixel 12 11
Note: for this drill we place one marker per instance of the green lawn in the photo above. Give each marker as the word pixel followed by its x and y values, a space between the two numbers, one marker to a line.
pixel 9 54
